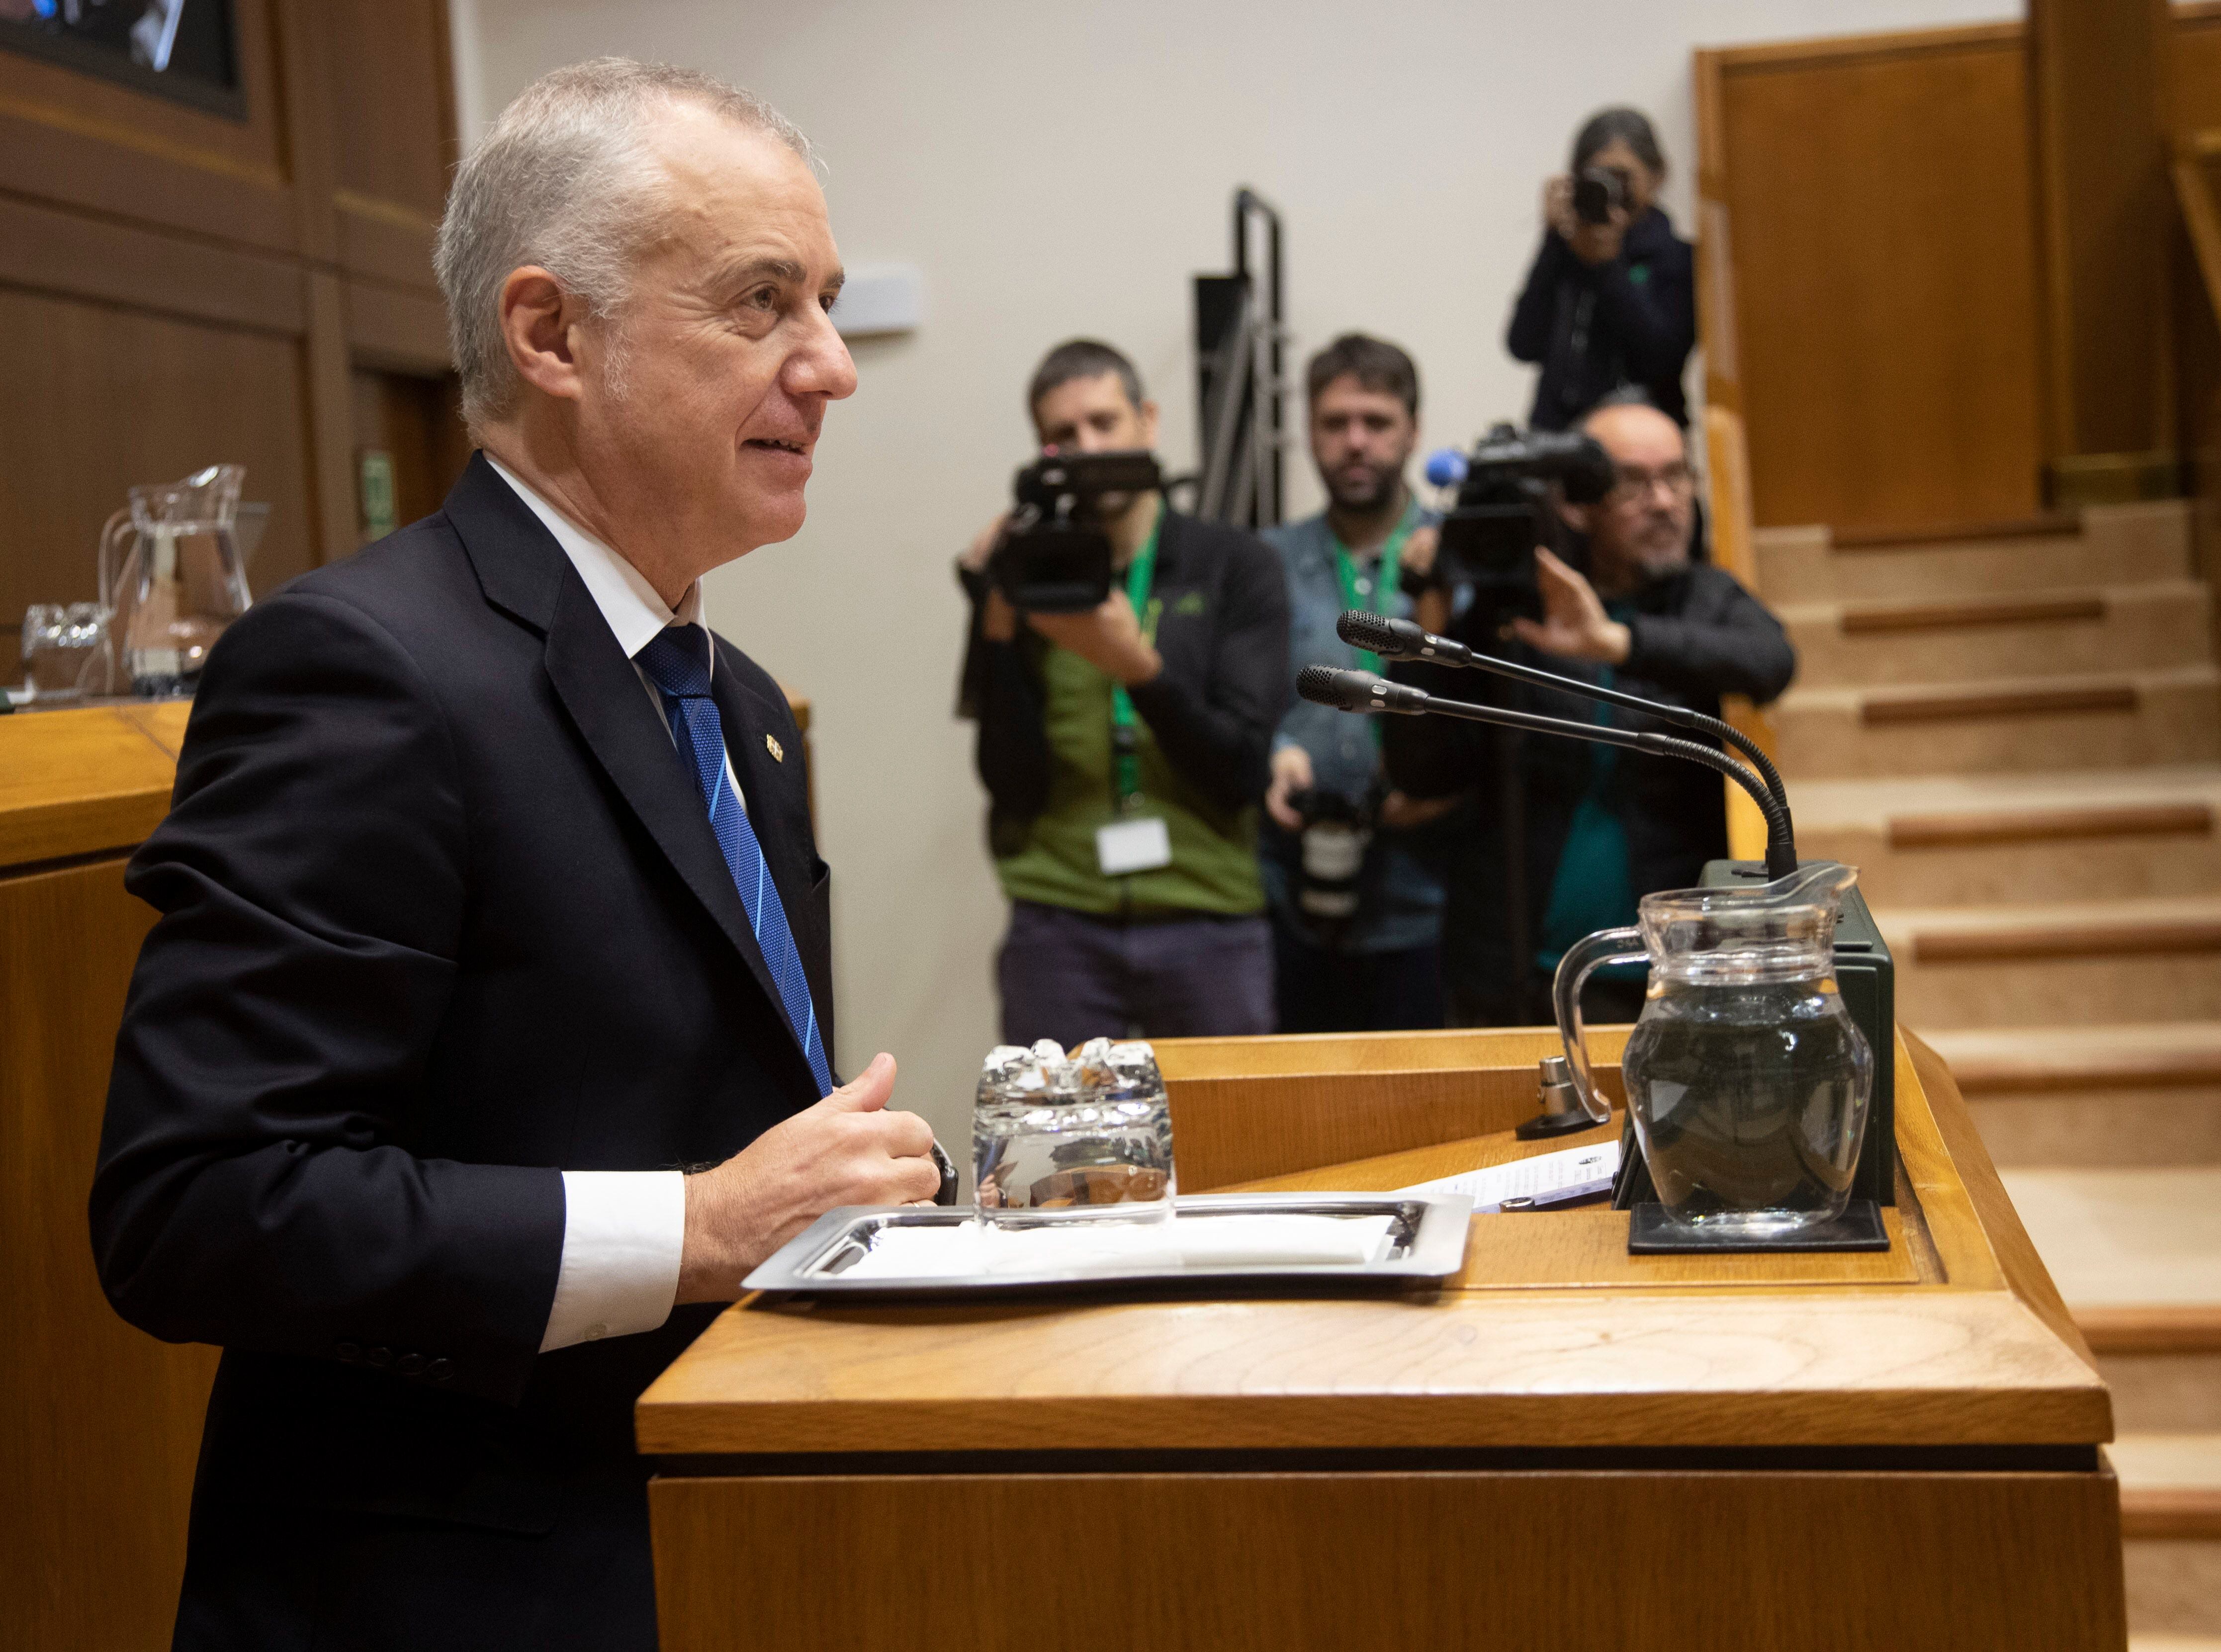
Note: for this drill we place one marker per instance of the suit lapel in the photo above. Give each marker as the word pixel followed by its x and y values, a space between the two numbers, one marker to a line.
pixel 522 570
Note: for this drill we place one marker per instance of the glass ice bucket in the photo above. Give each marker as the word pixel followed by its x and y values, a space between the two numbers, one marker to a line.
pixel 1746 1080
pixel 1057 1138
pixel 172 577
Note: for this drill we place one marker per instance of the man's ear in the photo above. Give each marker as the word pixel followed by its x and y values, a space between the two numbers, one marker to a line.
pixel 1148 411
pixel 1577 517
pixel 540 323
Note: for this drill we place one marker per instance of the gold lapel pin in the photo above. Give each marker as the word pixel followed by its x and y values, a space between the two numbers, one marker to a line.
pixel 771 745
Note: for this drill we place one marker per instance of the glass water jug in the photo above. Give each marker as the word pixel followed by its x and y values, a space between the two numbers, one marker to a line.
pixel 1746 1079
pixel 172 577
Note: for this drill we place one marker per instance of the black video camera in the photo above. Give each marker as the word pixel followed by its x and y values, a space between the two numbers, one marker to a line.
pixel 1598 191
pixel 1330 855
pixel 1053 557
pixel 1504 509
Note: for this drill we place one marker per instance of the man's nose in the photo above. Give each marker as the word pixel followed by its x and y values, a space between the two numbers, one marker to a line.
pixel 821 366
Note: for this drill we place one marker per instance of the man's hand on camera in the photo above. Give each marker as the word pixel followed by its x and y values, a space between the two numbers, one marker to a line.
pixel 1108 637
pixel 848 1149
pixel 1418 556
pixel 1575 625
pixel 1291 773
pixel 998 620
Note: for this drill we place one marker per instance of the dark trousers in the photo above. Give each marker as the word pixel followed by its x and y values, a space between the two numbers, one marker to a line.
pixel 1072 976
pixel 1321 990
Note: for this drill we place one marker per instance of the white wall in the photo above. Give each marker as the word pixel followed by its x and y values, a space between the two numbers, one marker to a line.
pixel 1059 170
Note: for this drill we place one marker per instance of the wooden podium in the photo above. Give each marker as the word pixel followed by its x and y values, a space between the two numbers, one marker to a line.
pixel 1566 1447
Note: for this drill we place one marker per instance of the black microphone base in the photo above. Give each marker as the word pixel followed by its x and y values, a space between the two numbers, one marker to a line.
pixel 1542 1126
pixel 1651 1232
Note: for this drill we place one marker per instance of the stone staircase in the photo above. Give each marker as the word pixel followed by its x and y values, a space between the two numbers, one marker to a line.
pixel 2017 739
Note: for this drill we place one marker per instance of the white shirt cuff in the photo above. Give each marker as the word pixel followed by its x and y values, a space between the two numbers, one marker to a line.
pixel 623 1233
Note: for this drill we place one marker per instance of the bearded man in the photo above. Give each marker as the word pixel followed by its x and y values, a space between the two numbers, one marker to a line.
pixel 1352 873
pixel 1591 828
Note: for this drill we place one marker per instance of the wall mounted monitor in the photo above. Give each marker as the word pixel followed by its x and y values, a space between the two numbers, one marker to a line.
pixel 185 49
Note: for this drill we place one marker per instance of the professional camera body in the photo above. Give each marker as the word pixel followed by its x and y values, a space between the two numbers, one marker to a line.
pixel 1596 191
pixel 1053 557
pixel 1336 831
pixel 1504 509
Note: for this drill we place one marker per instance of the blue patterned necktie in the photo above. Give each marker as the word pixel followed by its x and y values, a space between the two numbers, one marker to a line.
pixel 678 663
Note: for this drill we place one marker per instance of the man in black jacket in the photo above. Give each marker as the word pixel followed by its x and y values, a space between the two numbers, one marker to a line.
pixel 484 1042
pixel 1568 834
pixel 1125 750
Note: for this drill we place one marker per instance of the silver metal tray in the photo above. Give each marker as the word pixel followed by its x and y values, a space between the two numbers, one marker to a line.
pixel 1427 1240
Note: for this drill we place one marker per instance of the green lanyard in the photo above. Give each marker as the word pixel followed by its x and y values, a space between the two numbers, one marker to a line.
pixel 1125 744
pixel 1383 586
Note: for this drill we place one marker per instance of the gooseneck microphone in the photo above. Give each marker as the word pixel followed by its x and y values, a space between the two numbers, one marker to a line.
pixel 1403 638
pixel 1361 691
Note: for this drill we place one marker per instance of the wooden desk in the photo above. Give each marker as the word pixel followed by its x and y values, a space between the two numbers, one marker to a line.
pixel 1567 1446
pixel 99 1425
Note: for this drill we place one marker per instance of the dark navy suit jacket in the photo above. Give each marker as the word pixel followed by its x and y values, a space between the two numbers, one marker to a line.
pixel 441 917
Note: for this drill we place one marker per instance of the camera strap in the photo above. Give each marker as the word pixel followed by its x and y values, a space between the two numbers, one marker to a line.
pixel 1125 744
pixel 1373 592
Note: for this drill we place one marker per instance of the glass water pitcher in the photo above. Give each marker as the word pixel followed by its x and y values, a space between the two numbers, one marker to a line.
pixel 172 577
pixel 1747 1081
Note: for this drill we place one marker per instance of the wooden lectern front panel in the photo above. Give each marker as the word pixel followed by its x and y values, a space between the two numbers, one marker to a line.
pixel 1637 1561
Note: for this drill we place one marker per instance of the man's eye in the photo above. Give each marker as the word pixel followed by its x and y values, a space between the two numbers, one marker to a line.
pixel 763 298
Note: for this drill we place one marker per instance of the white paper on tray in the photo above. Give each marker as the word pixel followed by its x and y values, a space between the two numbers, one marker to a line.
pixel 978 1250
pixel 1548 1178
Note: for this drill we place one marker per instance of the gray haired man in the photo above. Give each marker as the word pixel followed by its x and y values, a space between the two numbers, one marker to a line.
pixel 484 1043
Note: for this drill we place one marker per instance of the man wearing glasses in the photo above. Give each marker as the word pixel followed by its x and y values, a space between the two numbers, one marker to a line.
pixel 1596 828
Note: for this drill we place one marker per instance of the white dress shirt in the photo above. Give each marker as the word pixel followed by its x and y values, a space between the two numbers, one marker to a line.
pixel 623 1229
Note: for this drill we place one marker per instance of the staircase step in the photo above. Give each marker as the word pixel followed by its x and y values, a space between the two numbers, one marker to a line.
pixel 1960 840
pixel 2170 1485
pixel 2068 963
pixel 2022 1060
pixel 1969 638
pixel 2092 1096
pixel 2135 1253
pixel 2132 544
pixel 2171 1530
pixel 2164 716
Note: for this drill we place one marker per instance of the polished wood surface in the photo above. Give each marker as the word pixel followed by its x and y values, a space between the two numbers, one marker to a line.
pixel 178 287
pixel 74 782
pixel 1243 1108
pixel 99 1425
pixel 1657 1562
pixel 1704 1350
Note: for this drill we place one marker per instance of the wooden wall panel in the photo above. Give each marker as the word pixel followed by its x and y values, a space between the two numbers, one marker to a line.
pixel 2194 71
pixel 1885 279
pixel 99 1423
pixel 101 397
pixel 178 287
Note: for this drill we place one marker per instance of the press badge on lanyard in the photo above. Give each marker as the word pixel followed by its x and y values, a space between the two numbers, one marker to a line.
pixel 1134 841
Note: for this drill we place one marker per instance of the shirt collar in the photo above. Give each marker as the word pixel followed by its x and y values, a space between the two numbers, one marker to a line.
pixel 635 614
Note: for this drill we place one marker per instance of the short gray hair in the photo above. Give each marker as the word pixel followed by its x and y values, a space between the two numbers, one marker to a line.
pixel 564 179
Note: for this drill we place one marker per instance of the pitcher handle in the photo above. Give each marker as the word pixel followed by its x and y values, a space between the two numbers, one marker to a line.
pixel 111 565
pixel 1583 959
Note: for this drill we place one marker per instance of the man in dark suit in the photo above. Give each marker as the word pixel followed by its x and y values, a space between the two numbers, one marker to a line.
pixel 482 1045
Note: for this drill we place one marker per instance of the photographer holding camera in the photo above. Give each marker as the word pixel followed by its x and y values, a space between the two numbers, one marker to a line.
pixel 1123 744
pixel 1566 835
pixel 1611 299
pixel 1352 868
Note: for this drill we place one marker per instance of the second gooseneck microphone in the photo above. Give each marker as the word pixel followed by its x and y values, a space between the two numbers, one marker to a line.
pixel 1403 638
pixel 1361 691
